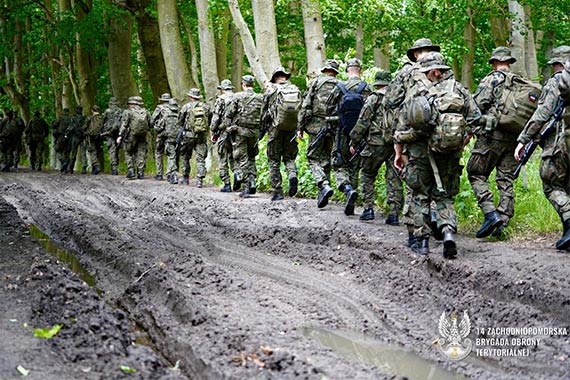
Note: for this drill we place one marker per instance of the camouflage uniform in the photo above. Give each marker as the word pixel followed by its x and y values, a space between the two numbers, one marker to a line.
pixel 36 135
pixel 111 124
pixel 93 126
pixel 375 127
pixel 223 138
pixel 555 163
pixel 75 137
pixel 156 120
pixel 11 136
pixel 494 147
pixel 61 141
pixel 193 140
pixel 242 120
pixel 170 132
pixel 136 147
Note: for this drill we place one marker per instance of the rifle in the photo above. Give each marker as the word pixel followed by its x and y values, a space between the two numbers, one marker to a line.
pixel 179 140
pixel 264 128
pixel 544 133
pixel 359 148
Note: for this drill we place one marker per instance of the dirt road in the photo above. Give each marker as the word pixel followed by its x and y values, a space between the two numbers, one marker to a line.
pixel 239 289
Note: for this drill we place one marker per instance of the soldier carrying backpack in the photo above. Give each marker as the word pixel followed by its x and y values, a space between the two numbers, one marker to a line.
pixel 135 126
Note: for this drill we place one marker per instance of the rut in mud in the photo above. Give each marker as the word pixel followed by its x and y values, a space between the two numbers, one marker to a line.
pixel 236 288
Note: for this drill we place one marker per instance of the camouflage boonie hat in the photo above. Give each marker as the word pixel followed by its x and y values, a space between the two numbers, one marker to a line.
pixel 382 78
pixel 330 64
pixel 194 93
pixel 113 101
pixel 502 54
pixel 165 97
pixel 561 55
pixel 248 80
pixel 431 61
pixel 353 62
pixel 422 43
pixel 173 105
pixel 135 100
pixel 279 70
pixel 95 108
pixel 226 85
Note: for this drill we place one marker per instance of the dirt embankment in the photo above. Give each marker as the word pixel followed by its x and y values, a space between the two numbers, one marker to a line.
pixel 240 289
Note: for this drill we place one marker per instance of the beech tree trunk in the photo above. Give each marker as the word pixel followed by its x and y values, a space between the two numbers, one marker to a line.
pixel 192 51
pixel 531 62
pixel 382 57
pixel 237 58
pixel 119 53
pixel 266 34
pixel 517 38
pixel 314 36
pixel 469 56
pixel 85 62
pixel 207 51
pixel 549 38
pixel 359 34
pixel 221 43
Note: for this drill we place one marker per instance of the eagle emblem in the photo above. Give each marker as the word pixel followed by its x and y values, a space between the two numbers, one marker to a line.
pixel 453 341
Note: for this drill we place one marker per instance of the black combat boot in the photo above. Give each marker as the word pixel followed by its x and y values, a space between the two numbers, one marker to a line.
pixel 351 196
pixel 421 246
pixel 500 232
pixel 158 177
pixel 367 214
pixel 252 187
pixel 237 182
pixel 293 184
pixel 449 246
pixel 131 175
pixel 185 180
pixel 325 192
pixel 411 240
pixel 392 220
pixel 435 231
pixel 277 197
pixel 564 242
pixel 173 180
pixel 114 172
pixel 95 170
pixel 39 167
pixel 492 221
pixel 200 182
pixel 226 189
pixel 140 175
pixel 64 164
pixel 245 192
pixel 84 170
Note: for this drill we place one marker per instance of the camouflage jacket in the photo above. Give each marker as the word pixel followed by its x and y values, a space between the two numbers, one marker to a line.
pixel 374 123
pixel 127 117
pixel 217 115
pixel 156 119
pixel 315 99
pixel 232 114
pixel 36 130
pixel 112 121
pixel 184 117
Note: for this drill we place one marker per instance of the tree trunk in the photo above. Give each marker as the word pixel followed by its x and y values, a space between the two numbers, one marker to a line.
pixel 176 68
pixel 359 34
pixel 119 53
pixel 266 34
pixel 314 36
pixel 85 63
pixel 221 43
pixel 549 38
pixel 517 37
pixel 499 30
pixel 193 52
pixel 531 62
pixel 237 58
pixel 469 56
pixel 64 61
pixel 207 51
pixel 248 44
pixel 382 57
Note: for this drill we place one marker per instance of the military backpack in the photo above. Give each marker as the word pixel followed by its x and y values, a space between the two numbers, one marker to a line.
pixel 448 106
pixel 139 122
pixel 286 107
pixel 350 105
pixel 518 102
pixel 324 86
pixel 93 125
pixel 250 110
pixel 198 118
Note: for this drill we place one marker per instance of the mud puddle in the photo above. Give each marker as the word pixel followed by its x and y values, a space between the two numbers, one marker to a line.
pixel 390 360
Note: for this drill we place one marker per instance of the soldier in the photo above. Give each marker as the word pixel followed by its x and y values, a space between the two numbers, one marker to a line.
pixel 135 126
pixel 374 129
pixel 61 145
pixel 10 138
pixel 393 100
pixel 433 169
pixel 156 120
pixel 312 119
pixel 111 125
pixel 242 120
pixel 193 121
pixel 93 126
pixel 220 136
pixel 170 131
pixel 338 104
pixel 36 135
pixel 554 170
pixel 279 115
pixel 74 135
pixel 493 148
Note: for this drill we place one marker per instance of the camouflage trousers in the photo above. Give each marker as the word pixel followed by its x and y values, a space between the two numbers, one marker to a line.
pixel 346 172
pixel 136 151
pixel 73 148
pixel 419 176
pixel 226 157
pixel 319 157
pixel 279 148
pixel 489 154
pixel 93 150
pixel 84 151
pixel 159 153
pixel 555 175
pixel 371 160
pixel 113 152
pixel 171 157
pixel 245 149
pixel 196 145
pixel 38 152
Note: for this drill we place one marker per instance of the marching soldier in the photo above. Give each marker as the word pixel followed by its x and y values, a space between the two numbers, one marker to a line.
pixel 110 131
pixel 221 137
pixel 135 126
pixel 158 125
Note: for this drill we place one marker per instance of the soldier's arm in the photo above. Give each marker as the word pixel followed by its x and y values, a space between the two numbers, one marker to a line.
pixel 230 112
pixel 182 117
pixel 306 112
pixel 332 102
pixel 125 119
pixel 216 115
pixel 472 112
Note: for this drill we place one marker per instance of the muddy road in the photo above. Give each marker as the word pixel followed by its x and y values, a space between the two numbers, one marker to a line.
pixel 240 289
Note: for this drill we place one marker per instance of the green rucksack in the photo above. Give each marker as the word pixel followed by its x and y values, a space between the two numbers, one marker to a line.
pixel 139 122
pixel 324 87
pixel 94 125
pixel 250 110
pixel 198 119
pixel 518 102
pixel 448 105
pixel 286 107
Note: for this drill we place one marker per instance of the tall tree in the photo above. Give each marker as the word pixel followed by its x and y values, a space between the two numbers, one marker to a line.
pixel 237 58
pixel 517 36
pixel 207 50
pixel 85 58
pixel 469 55
pixel 266 34
pixel 314 36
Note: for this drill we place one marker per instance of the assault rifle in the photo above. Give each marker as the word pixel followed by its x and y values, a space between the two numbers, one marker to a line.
pixel 359 148
pixel 179 140
pixel 544 133
pixel 264 128
pixel 323 131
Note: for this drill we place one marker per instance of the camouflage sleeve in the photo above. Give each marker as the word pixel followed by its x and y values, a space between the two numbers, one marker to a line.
pixel 231 111
pixel 216 115
pixel 396 92
pixel 488 93
pixel 148 120
pixel 472 112
pixel 125 119
pixel 267 100
pixel 182 116
pixel 332 102
pixel 156 115
pixel 306 112
pixel 363 124
pixel 546 103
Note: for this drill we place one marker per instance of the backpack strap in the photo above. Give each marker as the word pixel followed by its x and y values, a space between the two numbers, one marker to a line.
pixel 361 87
pixel 342 87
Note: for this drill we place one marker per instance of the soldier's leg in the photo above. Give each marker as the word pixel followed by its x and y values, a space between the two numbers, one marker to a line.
pixel 158 156
pixel 83 147
pixel 223 153
pixel 274 160
pixel 370 163
pixel 290 152
pixel 483 160
pixel 129 157
pixel 319 159
pixel 32 147
pixel 141 155
pixel 450 173
pixel 113 154
pixel 252 152
pixel 394 188
pixel 201 150
pixel 504 178
pixel 75 144
pixel 239 152
pixel 339 161
pixel 555 175
pixel 171 163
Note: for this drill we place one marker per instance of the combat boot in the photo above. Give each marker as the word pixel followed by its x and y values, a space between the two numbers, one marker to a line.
pixel 131 175
pixel 325 192
pixel 252 187
pixel 114 172
pixel 173 179
pixel 564 242
pixel 449 246
pixel 293 184
pixel 95 170
pixel 351 196
pixel 140 175
pixel 500 232
pixel 39 167
pixel 158 177
pixel 367 214
pixel 492 221
pixel 245 192
pixel 64 164
pixel 411 240
pixel 277 197
pixel 237 183
pixel 185 180
pixel 199 182
pixel 226 189
pixel 392 220
pixel 435 231
pixel 421 246
pixel 84 170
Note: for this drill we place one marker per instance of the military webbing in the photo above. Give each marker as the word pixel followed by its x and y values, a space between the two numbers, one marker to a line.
pixel 438 182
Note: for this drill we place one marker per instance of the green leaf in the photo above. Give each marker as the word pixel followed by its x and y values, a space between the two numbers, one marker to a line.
pixel 127 369
pixel 24 372
pixel 47 333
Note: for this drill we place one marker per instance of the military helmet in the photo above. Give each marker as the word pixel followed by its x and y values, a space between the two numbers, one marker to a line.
pixel 248 80
pixel 561 55
pixel 502 54
pixel 194 93
pixel 135 100
pixel 279 70
pixel 422 43
pixel 431 61
pixel 113 101
pixel 66 111
pixel 226 85
pixel 95 108
pixel 330 64
pixel 382 78
pixel 172 105
pixel 165 97
pixel 418 112
pixel 353 62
